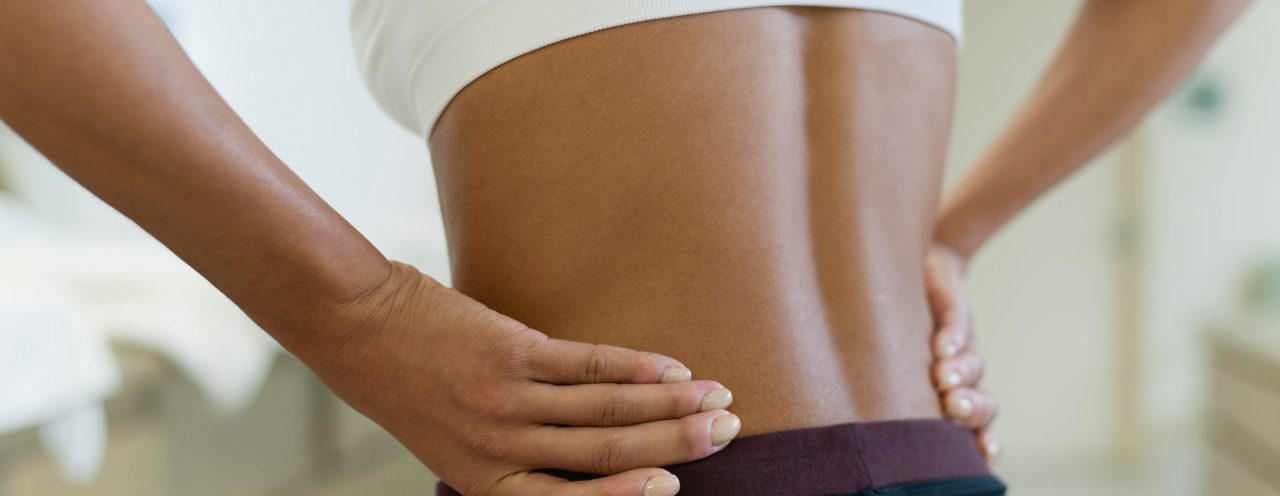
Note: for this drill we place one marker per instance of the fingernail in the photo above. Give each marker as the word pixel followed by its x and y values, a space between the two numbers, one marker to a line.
pixel 953 378
pixel 991 445
pixel 724 428
pixel 959 407
pixel 677 374
pixel 662 485
pixel 715 400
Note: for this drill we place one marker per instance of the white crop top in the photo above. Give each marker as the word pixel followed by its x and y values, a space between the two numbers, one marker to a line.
pixel 416 55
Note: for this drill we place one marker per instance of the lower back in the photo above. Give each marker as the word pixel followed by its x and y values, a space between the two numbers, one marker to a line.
pixel 750 192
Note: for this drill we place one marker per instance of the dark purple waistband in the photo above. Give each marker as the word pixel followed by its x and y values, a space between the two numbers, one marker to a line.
pixel 823 460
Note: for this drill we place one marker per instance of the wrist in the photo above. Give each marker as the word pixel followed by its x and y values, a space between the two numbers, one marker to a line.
pixel 955 244
pixel 953 256
pixel 357 313
pixel 329 309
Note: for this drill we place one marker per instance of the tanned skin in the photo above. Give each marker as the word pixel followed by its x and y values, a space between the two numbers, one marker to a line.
pixel 752 191
pixel 1120 59
pixel 747 194
pixel 103 91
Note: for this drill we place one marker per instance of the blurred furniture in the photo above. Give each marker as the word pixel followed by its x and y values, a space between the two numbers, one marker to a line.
pixel 295 438
pixel 206 403
pixel 1244 410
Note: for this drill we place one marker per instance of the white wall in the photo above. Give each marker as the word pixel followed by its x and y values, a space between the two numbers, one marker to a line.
pixel 289 69
pixel 1046 289
pixel 1043 289
pixel 1214 209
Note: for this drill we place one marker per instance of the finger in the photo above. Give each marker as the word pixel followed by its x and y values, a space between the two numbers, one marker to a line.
pixel 639 482
pixel 557 361
pixel 609 450
pixel 953 330
pixel 613 405
pixel 951 339
pixel 944 297
pixel 990 445
pixel 950 310
pixel 970 408
pixel 945 288
pixel 963 370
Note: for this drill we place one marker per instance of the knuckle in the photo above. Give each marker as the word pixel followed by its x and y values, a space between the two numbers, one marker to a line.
pixel 596 366
pixel 511 353
pixel 682 399
pixel 616 409
pixel 490 445
pixel 501 357
pixel 649 366
pixel 695 440
pixel 528 338
pixel 494 401
pixel 503 405
pixel 615 454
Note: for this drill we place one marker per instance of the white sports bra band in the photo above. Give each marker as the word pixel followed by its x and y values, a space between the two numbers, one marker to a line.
pixel 416 55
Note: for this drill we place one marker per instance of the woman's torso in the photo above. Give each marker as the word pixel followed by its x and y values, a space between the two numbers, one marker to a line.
pixel 748 191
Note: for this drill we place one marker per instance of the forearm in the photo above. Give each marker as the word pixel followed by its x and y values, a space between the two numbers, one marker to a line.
pixel 103 91
pixel 1120 58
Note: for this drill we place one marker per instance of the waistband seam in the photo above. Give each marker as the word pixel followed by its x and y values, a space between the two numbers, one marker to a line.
pixel 862 460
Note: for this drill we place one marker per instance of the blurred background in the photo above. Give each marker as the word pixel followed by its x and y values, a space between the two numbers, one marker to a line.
pixel 1130 319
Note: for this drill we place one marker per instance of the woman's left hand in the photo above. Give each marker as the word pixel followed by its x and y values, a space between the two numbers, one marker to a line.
pixel 957 367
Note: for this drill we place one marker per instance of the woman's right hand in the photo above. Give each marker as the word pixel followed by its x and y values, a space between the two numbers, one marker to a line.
pixel 482 400
pixel 958 367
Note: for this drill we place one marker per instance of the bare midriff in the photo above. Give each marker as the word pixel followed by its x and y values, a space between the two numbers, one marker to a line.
pixel 750 192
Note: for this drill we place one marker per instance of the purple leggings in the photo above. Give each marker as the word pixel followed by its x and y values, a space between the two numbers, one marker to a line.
pixel 898 457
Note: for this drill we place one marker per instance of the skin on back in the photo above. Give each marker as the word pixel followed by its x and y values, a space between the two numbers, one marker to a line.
pixel 751 192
